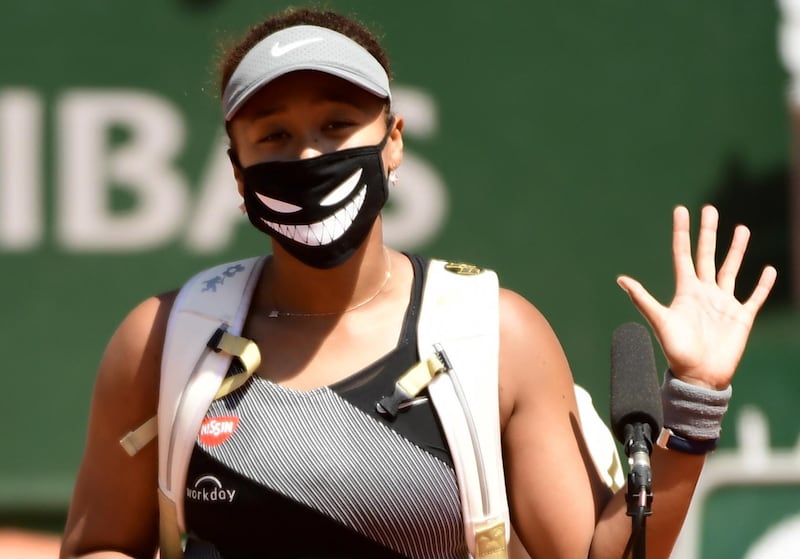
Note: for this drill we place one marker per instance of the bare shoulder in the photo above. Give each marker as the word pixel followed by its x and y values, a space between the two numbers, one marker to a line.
pixel 519 316
pixel 132 358
pixel 528 344
pixel 539 421
pixel 128 377
pixel 532 360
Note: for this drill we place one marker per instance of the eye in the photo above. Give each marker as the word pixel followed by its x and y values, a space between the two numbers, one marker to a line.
pixel 336 125
pixel 276 136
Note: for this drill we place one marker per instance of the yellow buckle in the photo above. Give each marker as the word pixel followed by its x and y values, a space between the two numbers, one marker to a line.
pixel 490 540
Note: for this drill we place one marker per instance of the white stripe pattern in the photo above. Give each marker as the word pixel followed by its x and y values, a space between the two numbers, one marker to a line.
pixel 320 450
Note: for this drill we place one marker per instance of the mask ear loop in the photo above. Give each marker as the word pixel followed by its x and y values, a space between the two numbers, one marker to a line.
pixel 392 172
pixel 389 126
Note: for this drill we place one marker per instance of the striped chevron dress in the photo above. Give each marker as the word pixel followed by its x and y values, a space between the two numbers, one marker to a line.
pixel 321 474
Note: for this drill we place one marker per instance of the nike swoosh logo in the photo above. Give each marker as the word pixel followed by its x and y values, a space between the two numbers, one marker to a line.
pixel 279 50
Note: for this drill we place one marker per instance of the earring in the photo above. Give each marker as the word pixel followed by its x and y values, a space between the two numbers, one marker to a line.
pixel 393 177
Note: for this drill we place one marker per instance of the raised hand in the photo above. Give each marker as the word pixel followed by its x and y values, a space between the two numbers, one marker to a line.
pixel 704 330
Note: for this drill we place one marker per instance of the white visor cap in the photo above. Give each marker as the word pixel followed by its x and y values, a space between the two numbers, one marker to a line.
pixel 303 47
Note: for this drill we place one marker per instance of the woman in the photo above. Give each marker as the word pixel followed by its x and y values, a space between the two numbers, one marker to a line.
pixel 314 146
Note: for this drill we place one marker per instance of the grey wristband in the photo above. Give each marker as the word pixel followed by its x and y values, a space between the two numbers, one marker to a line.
pixel 692 411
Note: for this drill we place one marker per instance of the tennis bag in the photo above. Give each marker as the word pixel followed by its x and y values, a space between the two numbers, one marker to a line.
pixel 458 350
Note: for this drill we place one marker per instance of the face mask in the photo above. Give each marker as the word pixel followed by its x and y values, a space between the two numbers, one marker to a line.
pixel 319 210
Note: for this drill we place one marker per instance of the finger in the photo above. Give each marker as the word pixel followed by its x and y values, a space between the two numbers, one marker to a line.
pixel 707 244
pixel 726 277
pixel 647 305
pixel 681 245
pixel 762 289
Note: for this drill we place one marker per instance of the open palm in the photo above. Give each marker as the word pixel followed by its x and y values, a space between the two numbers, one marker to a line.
pixel 704 330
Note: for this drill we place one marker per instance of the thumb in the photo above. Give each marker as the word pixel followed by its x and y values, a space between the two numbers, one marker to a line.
pixel 646 304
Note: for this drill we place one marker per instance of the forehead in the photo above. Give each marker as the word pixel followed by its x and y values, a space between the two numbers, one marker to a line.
pixel 308 87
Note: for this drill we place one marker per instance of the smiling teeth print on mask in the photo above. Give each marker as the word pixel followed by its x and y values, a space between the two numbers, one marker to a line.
pixel 325 231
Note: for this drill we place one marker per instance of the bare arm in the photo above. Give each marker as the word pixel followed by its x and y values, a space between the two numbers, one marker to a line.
pixel 559 508
pixel 554 493
pixel 114 508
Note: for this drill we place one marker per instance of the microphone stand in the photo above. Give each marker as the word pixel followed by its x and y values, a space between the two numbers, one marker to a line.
pixel 640 493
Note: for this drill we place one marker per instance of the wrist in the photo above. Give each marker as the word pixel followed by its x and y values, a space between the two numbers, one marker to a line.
pixel 692 414
pixel 694 380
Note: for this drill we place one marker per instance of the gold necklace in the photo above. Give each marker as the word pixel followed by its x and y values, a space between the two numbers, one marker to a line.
pixel 275 313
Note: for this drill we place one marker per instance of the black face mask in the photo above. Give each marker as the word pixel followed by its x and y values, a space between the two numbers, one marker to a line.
pixel 319 210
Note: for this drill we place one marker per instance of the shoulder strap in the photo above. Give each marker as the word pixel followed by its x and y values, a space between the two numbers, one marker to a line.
pixel 213 301
pixel 459 321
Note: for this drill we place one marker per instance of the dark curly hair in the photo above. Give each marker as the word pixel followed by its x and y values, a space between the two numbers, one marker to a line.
pixel 290 17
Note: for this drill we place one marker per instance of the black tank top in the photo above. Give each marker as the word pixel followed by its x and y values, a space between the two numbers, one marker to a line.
pixel 320 474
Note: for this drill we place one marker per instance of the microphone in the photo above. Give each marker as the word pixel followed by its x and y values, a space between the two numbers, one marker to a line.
pixel 636 414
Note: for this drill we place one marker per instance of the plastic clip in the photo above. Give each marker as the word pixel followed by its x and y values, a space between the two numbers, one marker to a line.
pixel 410 384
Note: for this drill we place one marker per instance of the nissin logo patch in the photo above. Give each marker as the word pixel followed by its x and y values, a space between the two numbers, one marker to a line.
pixel 216 430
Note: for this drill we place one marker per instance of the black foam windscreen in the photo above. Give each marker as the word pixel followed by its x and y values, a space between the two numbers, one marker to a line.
pixel 635 394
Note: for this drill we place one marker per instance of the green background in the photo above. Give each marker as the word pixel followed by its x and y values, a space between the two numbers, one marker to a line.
pixel 743 508
pixel 566 134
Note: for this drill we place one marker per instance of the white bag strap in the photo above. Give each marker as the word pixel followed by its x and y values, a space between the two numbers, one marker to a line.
pixel 192 373
pixel 459 322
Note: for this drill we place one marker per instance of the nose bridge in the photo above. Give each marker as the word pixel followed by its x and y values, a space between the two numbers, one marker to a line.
pixel 308 144
pixel 307 152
